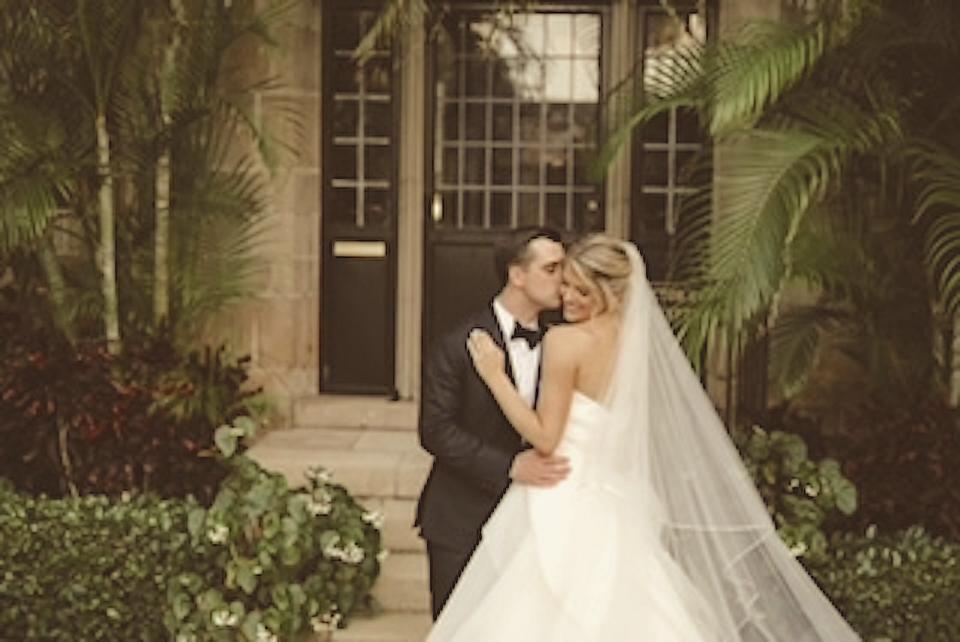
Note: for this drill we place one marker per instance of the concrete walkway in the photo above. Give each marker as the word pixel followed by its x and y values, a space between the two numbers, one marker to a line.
pixel 370 446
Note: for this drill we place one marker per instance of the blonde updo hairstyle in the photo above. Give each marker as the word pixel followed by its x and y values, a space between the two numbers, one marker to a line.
pixel 602 262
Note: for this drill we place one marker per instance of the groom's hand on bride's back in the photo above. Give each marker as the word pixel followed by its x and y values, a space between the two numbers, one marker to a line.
pixel 532 468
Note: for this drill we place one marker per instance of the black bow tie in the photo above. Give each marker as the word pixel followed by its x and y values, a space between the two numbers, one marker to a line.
pixel 532 337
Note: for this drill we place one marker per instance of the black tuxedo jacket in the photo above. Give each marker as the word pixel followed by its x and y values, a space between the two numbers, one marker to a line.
pixel 472 442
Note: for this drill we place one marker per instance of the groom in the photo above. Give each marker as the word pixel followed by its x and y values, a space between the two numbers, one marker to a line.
pixel 476 451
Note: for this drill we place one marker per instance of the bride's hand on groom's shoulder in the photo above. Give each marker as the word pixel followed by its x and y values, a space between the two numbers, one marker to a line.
pixel 488 358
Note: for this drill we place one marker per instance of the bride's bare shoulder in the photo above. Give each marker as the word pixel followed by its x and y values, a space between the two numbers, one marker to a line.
pixel 569 339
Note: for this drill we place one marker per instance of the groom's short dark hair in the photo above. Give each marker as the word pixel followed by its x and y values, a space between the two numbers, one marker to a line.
pixel 513 248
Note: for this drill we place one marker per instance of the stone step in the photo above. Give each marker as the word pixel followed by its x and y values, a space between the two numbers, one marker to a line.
pixel 366 473
pixel 334 411
pixel 403 585
pixel 386 627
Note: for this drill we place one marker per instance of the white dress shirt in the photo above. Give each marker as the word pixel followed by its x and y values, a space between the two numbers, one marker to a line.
pixel 524 360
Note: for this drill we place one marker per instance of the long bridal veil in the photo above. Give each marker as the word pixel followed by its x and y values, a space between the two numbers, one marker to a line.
pixel 666 446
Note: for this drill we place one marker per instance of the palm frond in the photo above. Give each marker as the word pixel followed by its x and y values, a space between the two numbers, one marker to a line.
pixel 938 210
pixel 751 71
pixel 795 341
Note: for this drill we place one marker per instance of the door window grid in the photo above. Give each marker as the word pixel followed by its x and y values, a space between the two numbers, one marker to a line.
pixel 667 143
pixel 361 156
pixel 527 187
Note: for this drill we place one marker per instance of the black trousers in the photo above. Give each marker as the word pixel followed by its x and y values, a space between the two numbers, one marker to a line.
pixel 446 565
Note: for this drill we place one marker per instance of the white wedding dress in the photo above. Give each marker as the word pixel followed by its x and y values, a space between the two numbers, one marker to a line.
pixel 657 535
pixel 573 563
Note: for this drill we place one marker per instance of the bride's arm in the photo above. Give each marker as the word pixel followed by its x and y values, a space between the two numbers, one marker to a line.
pixel 543 428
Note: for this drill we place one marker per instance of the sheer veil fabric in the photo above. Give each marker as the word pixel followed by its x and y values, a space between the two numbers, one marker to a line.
pixel 657 535
pixel 664 445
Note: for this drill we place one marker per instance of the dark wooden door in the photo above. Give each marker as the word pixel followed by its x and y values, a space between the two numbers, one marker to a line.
pixel 359 208
pixel 515 107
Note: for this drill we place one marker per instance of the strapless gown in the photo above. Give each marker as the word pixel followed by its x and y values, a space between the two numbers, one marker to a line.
pixel 579 562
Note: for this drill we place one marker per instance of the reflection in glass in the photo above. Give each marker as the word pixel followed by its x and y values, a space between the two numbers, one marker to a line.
pixel 530 122
pixel 529 165
pixel 451 124
pixel 586 212
pixel 502 122
pixel 473 209
pixel 501 204
pixel 559 79
pixel 474 167
pixel 376 207
pixel 655 168
pixel 344 161
pixel 343 205
pixel 450 160
pixel 345 118
pixel 555 159
pixel 476 121
pixel 585 120
pixel 476 77
pixel 528 96
pixel 346 76
pixel 502 166
pixel 586 81
pixel 449 211
pixel 557 211
pixel 376 118
pixel 377 162
pixel 688 126
pixel 528 209
pixel 377 75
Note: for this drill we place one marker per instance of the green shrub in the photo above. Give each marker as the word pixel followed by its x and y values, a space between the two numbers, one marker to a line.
pixel 805 498
pixel 902 587
pixel 264 562
pixel 90 568
pixel 292 560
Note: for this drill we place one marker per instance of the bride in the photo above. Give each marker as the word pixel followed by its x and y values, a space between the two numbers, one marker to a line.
pixel 658 534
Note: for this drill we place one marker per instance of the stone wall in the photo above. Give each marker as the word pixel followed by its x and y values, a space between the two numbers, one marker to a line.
pixel 280 328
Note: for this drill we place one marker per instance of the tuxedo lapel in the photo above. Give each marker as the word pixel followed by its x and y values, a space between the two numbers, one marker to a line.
pixel 488 322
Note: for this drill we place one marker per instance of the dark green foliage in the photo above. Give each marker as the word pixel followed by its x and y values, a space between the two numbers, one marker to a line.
pixel 902 587
pixel 78 420
pixel 90 568
pixel 264 559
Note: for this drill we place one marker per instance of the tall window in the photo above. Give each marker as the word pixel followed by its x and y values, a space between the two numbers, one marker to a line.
pixel 360 157
pixel 666 145
pixel 516 110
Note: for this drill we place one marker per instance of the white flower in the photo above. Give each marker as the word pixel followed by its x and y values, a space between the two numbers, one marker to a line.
pixel 320 507
pixel 794 483
pixel 223 617
pixel 325 622
pixel 319 474
pixel 354 554
pixel 218 533
pixel 264 634
pixel 374 518
pixel 812 491
pixel 383 555
pixel 186 637
pixel 798 549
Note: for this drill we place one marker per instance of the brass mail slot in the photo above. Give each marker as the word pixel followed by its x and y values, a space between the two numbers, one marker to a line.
pixel 360 249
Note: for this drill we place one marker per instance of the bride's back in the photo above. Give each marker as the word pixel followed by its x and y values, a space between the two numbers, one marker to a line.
pixel 597 340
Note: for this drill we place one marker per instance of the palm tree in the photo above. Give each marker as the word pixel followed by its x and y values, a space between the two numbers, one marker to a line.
pixel 835 173
pixel 143 179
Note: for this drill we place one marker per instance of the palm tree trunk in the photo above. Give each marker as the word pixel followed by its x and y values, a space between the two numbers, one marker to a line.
pixel 161 256
pixel 161 266
pixel 58 288
pixel 108 246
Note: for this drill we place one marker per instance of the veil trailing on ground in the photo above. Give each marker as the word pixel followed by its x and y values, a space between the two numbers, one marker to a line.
pixel 666 446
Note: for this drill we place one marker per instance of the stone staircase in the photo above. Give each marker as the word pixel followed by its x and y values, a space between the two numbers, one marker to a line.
pixel 370 445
